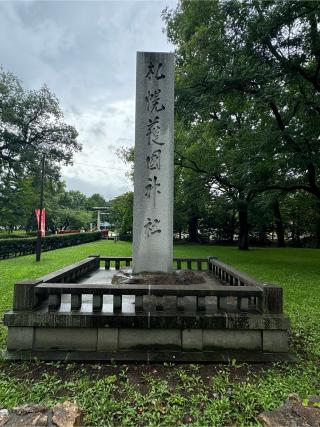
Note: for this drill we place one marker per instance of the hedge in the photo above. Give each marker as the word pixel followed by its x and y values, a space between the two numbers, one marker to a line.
pixel 20 236
pixel 13 236
pixel 17 247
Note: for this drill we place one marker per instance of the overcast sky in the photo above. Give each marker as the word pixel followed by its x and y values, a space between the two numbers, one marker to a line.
pixel 86 52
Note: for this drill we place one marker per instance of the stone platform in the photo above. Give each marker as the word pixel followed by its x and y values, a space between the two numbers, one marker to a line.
pixel 77 314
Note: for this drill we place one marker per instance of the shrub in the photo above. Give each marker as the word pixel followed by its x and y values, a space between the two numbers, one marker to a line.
pixel 12 236
pixel 24 246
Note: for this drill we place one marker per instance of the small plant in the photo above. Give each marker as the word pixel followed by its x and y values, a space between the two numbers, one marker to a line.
pixel 195 395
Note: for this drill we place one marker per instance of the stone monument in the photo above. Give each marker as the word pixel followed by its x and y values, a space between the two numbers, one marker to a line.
pixel 153 174
pixel 149 317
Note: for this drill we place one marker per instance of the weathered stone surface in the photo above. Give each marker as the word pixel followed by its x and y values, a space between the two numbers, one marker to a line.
pixel 180 277
pixel 130 320
pixel 237 340
pixel 65 339
pixel 192 339
pixel 275 341
pixel 107 339
pixel 280 419
pixel 20 338
pixel 67 414
pixel 28 415
pixel 149 339
pixel 294 413
pixel 314 400
pixel 310 413
pixel 37 419
pixel 28 409
pixel 153 171
pixel 4 415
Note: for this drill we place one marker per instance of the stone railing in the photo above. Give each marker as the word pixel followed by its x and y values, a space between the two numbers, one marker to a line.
pixel 189 263
pixel 25 297
pixel 54 291
pixel 272 301
pixel 232 290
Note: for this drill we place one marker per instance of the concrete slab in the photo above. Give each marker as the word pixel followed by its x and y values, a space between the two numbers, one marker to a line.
pixel 65 339
pixel 150 339
pixel 192 339
pixel 20 338
pixel 154 356
pixel 229 339
pixel 275 341
pixel 107 339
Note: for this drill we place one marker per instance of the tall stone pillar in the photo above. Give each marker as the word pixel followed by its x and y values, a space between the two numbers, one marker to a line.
pixel 98 220
pixel 153 170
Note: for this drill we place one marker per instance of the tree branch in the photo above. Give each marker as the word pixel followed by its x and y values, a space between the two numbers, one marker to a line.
pixel 222 181
pixel 282 126
pixel 292 66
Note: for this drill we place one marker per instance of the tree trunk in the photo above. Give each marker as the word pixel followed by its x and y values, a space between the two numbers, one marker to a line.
pixel 318 225
pixel 193 229
pixel 262 237
pixel 278 224
pixel 296 232
pixel 232 227
pixel 243 225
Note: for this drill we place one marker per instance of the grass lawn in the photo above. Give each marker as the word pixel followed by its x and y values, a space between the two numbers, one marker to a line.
pixel 166 394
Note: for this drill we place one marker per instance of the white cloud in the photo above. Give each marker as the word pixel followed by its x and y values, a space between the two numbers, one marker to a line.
pixel 85 52
pixel 103 129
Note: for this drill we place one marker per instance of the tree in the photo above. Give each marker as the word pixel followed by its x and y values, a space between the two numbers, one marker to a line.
pixel 31 123
pixel 121 214
pixel 17 202
pixel 221 152
pixel 73 218
pixel 279 227
pixel 96 200
pixel 73 199
pixel 191 194
pixel 248 72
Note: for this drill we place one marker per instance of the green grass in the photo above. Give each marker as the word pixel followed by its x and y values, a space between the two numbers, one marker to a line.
pixel 165 395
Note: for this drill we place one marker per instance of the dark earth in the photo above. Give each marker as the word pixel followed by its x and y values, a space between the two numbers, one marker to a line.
pixel 179 277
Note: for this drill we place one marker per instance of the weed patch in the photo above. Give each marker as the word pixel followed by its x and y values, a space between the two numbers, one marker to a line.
pixel 168 394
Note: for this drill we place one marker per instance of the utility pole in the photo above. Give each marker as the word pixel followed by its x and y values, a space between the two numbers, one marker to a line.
pixel 38 247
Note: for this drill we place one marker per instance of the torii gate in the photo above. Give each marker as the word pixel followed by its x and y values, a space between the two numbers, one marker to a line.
pixel 101 210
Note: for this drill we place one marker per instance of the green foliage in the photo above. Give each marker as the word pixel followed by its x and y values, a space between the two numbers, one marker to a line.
pixel 247 79
pixel 121 214
pixel 72 199
pixel 13 236
pixel 198 395
pixel 20 197
pixel 73 218
pixel 73 209
pixel 96 200
pixel 177 396
pixel 31 123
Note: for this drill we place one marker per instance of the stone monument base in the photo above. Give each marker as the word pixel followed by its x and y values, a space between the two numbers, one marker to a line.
pixel 146 344
pixel 77 314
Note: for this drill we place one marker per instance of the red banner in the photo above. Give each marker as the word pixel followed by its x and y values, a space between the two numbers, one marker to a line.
pixel 43 221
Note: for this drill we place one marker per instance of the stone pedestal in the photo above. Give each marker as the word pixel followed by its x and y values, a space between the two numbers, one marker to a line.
pixel 153 174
